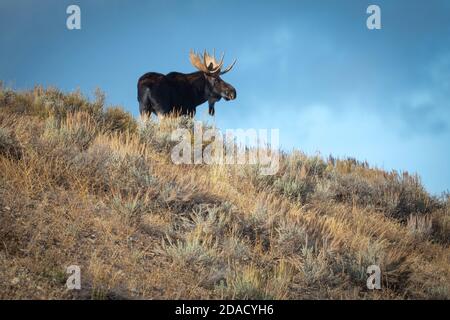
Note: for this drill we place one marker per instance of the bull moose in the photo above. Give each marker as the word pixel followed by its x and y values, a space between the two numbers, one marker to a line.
pixel 181 93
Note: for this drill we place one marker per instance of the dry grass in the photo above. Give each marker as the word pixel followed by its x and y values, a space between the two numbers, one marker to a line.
pixel 93 187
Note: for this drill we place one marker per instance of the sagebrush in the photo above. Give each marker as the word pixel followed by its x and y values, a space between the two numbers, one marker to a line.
pixel 88 185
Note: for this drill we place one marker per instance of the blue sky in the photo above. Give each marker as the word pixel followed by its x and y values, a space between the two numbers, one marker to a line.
pixel 310 68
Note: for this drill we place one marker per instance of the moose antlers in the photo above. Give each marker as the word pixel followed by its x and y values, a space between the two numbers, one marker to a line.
pixel 208 64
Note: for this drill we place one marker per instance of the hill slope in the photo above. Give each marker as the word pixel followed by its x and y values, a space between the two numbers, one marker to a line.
pixel 81 185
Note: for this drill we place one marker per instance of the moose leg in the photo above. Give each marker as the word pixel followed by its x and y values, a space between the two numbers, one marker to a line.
pixel 211 109
pixel 191 112
pixel 144 110
pixel 145 106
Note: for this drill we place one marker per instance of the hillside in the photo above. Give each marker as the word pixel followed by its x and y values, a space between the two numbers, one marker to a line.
pixel 82 184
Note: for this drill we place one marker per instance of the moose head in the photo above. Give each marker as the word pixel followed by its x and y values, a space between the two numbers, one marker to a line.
pixel 215 88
